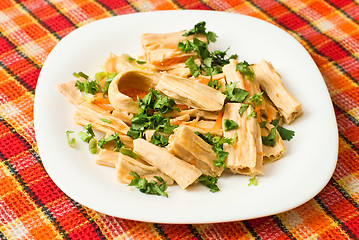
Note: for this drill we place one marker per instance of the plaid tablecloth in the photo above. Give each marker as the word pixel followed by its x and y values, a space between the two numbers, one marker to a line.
pixel 33 207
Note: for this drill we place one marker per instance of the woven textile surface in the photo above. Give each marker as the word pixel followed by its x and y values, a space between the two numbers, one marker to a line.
pixel 33 207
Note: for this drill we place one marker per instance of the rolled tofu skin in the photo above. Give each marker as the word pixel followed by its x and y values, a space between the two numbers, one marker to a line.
pixel 185 144
pixel 245 155
pixel 126 164
pixel 190 93
pixel 271 82
pixel 182 172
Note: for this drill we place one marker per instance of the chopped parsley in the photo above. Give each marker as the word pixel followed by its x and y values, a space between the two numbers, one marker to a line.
pixel 284 133
pixel 112 138
pixel 200 28
pixel 90 87
pixel 214 84
pixel 257 99
pixel 154 100
pixel 217 146
pixel 211 62
pixel 151 187
pixel 229 124
pixel 252 114
pixel 71 141
pixel 210 182
pixel 253 181
pixel 242 109
pixel 159 139
pixel 269 140
pixel 244 69
pixel 262 124
pixel 235 94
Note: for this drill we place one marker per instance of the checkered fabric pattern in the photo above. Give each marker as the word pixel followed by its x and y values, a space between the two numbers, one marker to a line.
pixel 33 207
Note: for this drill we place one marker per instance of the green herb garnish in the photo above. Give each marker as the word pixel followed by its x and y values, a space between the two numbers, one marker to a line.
pixel 151 187
pixel 243 68
pixel 257 99
pixel 229 124
pixel 269 140
pixel 200 28
pixel 242 109
pixel 210 182
pixel 252 114
pixel 217 146
pixel 112 138
pixel 159 139
pixel 88 135
pixel 284 133
pixel 235 94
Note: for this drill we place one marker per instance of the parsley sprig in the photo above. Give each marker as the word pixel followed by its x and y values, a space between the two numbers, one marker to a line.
pixel 211 62
pixel 112 138
pixel 152 187
pixel 284 133
pixel 235 94
pixel 244 68
pixel 146 119
pixel 217 146
pixel 210 182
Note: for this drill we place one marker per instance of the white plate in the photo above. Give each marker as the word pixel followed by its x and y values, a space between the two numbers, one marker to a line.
pixel 308 163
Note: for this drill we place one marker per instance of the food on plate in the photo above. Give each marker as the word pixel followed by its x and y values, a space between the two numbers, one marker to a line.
pixel 181 113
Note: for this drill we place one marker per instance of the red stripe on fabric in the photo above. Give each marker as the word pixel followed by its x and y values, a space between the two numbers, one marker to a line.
pixel 114 4
pixel 45 189
pixel 332 50
pixel 290 20
pixel 84 230
pixel 353 225
pixel 58 23
pixel 340 3
pixel 7 215
pixel 4 46
pixel 10 145
pixel 30 77
pixel 266 228
pixel 193 4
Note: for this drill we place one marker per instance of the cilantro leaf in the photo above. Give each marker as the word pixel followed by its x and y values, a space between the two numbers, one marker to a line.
pixel 257 99
pixel 210 182
pixel 243 68
pixel 200 28
pixel 112 138
pixel 252 114
pixel 195 70
pixel 235 94
pixel 151 187
pixel 217 146
pixel 214 84
pixel 154 100
pixel 284 133
pixel 242 109
pixel 269 140
pixel 159 139
pixel 229 124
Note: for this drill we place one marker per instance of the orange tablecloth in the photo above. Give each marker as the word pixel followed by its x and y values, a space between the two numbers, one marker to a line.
pixel 33 207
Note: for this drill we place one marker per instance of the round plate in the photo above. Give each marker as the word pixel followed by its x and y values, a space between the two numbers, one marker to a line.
pixel 304 170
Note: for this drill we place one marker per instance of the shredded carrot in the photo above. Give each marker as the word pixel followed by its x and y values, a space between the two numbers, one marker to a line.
pixel 129 177
pixel 247 86
pixel 102 102
pixel 257 110
pixel 218 123
pixel 203 80
pixel 277 95
pixel 269 115
pixel 181 107
pixel 134 92
pixel 260 153
pixel 171 61
pixel 235 146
